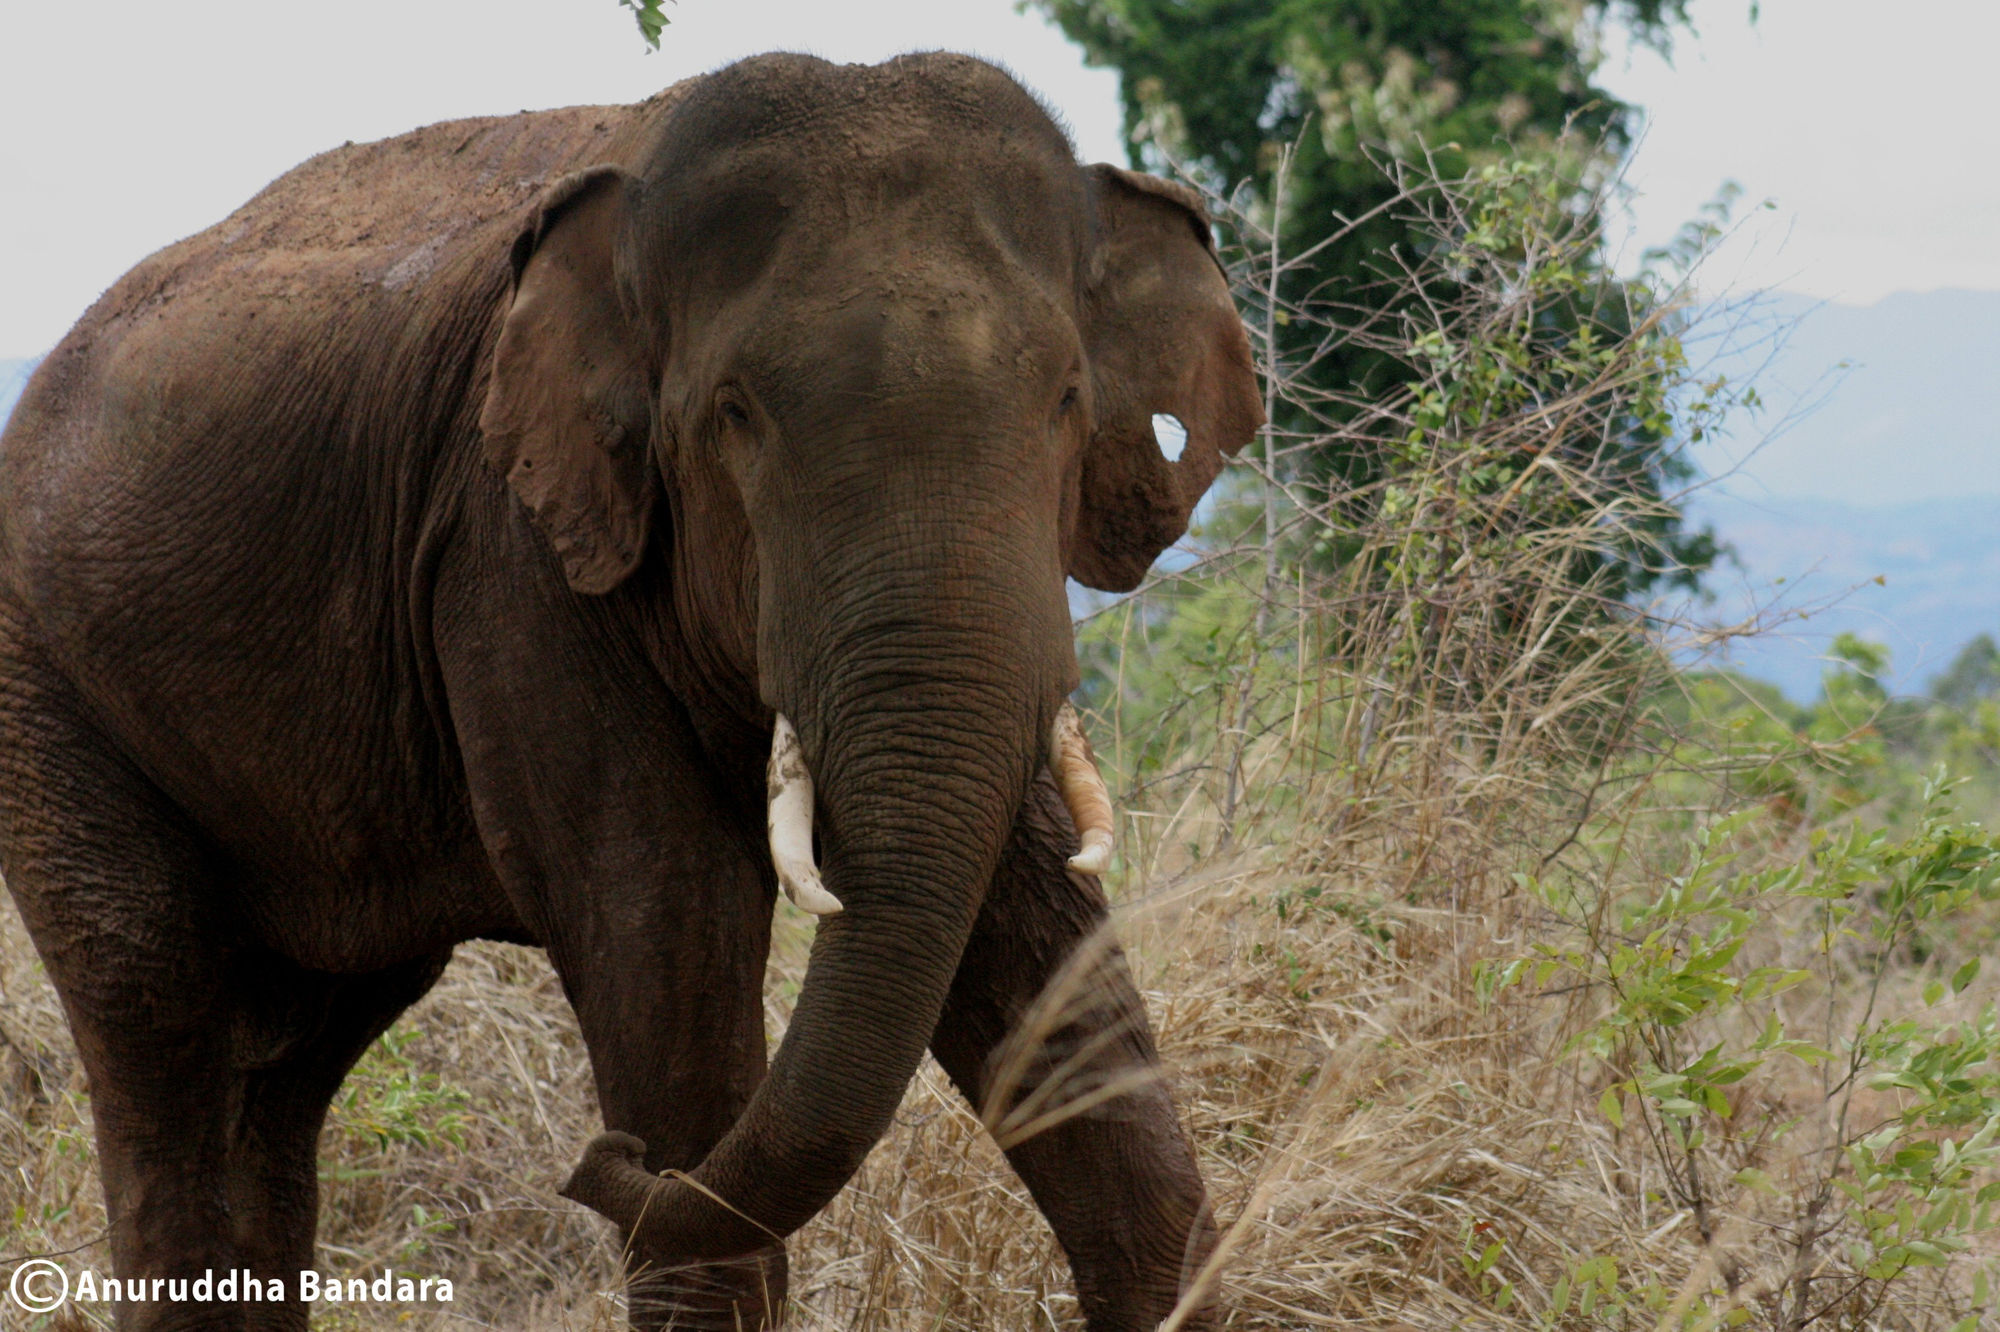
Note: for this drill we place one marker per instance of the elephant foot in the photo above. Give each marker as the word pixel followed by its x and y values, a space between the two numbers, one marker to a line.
pixel 744 1293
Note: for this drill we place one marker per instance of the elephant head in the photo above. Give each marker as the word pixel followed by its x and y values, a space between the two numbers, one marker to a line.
pixel 869 361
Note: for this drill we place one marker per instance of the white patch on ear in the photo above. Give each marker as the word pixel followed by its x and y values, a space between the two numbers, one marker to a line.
pixel 1170 435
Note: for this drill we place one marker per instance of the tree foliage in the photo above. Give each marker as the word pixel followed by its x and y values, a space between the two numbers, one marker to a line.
pixel 1973 676
pixel 1222 82
pixel 651 21
pixel 1348 91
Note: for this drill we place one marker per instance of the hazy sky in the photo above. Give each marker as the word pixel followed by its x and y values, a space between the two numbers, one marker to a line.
pixel 124 126
pixel 1869 126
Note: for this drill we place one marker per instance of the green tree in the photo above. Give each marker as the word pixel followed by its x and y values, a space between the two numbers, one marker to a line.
pixel 1223 83
pixel 1222 88
pixel 1973 676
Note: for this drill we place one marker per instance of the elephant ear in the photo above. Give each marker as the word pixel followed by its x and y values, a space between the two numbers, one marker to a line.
pixel 568 414
pixel 1163 339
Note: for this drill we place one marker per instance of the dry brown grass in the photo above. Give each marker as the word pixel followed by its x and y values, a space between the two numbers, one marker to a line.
pixel 1357 1115
pixel 1352 1138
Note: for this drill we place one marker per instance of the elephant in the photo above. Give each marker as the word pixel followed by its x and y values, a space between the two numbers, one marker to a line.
pixel 518 529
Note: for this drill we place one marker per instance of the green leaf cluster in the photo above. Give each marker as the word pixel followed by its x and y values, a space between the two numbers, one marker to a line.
pixel 1837 970
pixel 387 1100
pixel 652 22
pixel 1855 745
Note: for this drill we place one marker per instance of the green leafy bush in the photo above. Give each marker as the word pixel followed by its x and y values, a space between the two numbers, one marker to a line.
pixel 387 1100
pixel 1789 1036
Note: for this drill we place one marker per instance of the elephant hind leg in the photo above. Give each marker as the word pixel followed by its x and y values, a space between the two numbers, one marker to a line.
pixel 298 1033
pixel 118 895
pixel 210 1064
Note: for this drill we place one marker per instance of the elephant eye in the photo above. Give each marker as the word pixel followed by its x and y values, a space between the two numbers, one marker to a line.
pixel 730 411
pixel 1068 400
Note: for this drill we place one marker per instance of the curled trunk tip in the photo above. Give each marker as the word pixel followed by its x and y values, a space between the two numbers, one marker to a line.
pixel 1083 791
pixel 789 786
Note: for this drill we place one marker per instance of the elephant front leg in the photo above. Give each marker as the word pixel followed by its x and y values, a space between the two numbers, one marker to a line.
pixel 673 1018
pixel 665 971
pixel 609 830
pixel 1047 1037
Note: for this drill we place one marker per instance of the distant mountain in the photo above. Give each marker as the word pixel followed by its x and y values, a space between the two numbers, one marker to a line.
pixel 1938 562
pixel 1883 459
pixel 1882 404
pixel 14 378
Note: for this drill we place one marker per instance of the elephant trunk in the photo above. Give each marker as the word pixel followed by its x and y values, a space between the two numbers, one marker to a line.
pixel 921 746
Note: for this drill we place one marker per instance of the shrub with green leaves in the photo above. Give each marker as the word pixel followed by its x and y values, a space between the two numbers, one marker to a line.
pixel 1798 1041
pixel 1480 584
pixel 387 1100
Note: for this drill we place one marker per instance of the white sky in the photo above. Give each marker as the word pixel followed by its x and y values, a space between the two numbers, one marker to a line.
pixel 124 126
pixel 1870 126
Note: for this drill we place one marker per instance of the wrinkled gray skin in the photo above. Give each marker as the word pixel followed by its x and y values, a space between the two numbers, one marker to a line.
pixel 421 553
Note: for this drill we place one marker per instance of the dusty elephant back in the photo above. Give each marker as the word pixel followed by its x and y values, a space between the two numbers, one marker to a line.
pixel 216 491
pixel 386 215
pixel 358 235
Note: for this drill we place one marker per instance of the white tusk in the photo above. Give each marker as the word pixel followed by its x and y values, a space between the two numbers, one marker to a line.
pixel 790 788
pixel 1082 791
